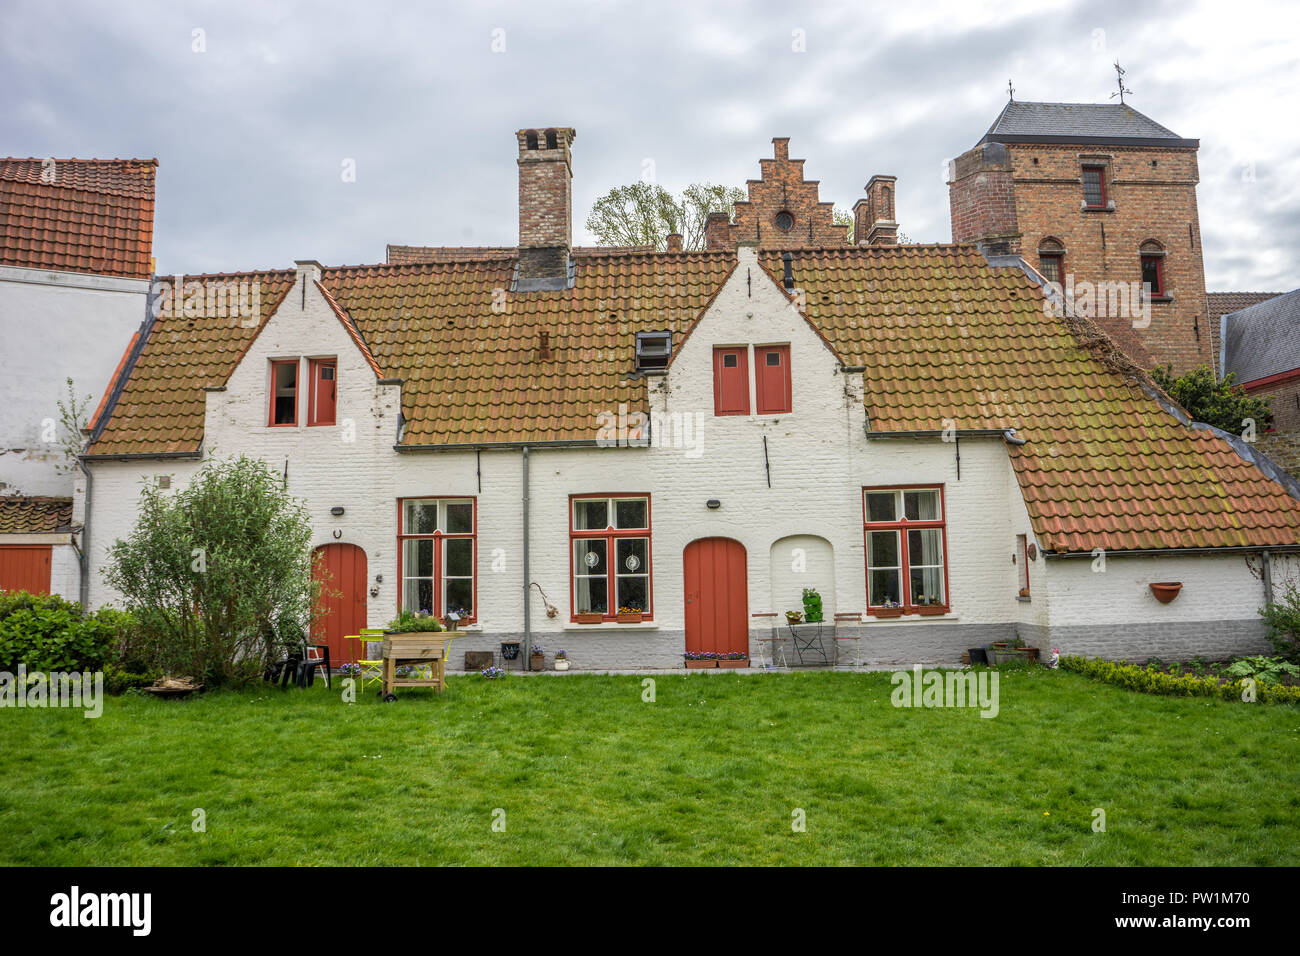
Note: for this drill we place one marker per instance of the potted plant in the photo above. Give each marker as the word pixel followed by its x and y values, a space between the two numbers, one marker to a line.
pixel 586 617
pixel 793 617
pixel 812 606
pixel 561 660
pixel 1165 591
pixel 413 622
pixel 698 659
pixel 888 609
pixel 536 658
pixel 734 659
pixel 510 650
pixel 931 605
pixel 629 615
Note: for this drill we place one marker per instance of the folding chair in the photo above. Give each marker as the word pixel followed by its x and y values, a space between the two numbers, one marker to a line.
pixel 854 617
pixel 372 670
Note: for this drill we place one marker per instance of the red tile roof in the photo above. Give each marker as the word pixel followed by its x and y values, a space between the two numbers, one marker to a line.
pixel 78 215
pixel 942 335
pixel 22 515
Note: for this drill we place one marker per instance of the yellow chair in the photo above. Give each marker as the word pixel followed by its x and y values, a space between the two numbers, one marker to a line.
pixel 372 671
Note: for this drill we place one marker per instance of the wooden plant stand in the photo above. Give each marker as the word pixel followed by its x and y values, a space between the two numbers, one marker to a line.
pixel 425 647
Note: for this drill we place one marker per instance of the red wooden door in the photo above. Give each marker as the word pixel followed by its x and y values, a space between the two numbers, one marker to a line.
pixel 342 572
pixel 25 567
pixel 717 596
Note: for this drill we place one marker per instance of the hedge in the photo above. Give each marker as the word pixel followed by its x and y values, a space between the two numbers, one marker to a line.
pixel 1146 681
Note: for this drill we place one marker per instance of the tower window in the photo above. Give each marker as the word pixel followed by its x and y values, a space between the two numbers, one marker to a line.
pixel 1094 187
pixel 784 221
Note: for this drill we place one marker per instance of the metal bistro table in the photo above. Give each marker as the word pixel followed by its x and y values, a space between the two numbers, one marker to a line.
pixel 809 639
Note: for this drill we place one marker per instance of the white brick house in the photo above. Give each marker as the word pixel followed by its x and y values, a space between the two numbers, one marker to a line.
pixel 902 428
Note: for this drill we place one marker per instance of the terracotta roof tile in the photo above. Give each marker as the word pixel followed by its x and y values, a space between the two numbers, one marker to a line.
pixel 86 215
pixel 22 515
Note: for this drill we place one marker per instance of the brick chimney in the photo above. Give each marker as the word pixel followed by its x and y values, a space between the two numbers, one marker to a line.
pixel 717 232
pixel 982 200
pixel 545 202
pixel 874 221
pixel 674 242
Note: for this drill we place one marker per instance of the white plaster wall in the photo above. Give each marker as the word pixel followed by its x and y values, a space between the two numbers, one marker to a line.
pixel 55 325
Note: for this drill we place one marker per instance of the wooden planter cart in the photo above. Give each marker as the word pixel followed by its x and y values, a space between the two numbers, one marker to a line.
pixel 416 647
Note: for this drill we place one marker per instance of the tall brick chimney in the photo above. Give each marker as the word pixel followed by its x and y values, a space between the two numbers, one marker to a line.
pixel 874 221
pixel 545 202
pixel 717 232
pixel 982 200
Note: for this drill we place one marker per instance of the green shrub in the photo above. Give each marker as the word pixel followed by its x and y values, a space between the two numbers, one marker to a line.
pixel 46 633
pixel 411 622
pixel 1282 618
pixel 1146 681
pixel 1266 670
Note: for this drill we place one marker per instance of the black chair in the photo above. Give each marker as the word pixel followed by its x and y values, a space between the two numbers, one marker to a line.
pixel 308 664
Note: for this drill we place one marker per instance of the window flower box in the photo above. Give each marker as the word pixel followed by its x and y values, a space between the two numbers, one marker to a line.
pixel 930 610
pixel 629 616
pixel 582 618
pixel 887 611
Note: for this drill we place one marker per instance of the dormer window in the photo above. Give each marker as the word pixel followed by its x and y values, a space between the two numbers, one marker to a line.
pixel 284 393
pixel 653 349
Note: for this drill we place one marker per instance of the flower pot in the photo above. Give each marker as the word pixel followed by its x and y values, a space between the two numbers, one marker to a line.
pixel 712 665
pixel 630 618
pixel 744 662
pixel 930 610
pixel 1166 591
pixel 887 611
pixel 999 645
pixel 1031 653
pixel 562 664
pixel 588 618
pixel 537 662
pixel 793 617
pixel 509 650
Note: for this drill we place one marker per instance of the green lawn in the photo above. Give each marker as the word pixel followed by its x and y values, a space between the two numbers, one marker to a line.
pixel 710 773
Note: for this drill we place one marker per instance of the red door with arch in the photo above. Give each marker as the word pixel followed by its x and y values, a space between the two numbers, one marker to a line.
pixel 717 596
pixel 342 573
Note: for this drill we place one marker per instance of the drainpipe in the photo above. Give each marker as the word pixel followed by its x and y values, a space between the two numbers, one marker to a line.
pixel 528 626
pixel 1267 574
pixel 85 536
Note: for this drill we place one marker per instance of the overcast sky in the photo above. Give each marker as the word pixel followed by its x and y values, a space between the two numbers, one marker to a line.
pixel 253 117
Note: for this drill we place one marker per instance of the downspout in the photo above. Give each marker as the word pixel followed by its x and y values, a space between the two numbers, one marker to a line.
pixel 84 551
pixel 528 620
pixel 1267 574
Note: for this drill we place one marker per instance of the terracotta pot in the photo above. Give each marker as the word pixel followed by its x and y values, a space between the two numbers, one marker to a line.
pixel 537 662
pixel 741 663
pixel 930 610
pixel 886 612
pixel 1166 591
pixel 712 665
pixel 630 618
pixel 588 618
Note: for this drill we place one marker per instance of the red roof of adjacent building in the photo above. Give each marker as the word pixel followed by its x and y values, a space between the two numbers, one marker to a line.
pixel 78 215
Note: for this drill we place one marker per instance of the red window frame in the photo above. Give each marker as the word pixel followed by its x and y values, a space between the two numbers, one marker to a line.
pixel 1022 542
pixel 611 534
pixel 1159 262
pixel 901 526
pixel 773 394
pixel 438 537
pixel 731 379
pixel 313 412
pixel 1101 179
pixel 270 417
pixel 1059 259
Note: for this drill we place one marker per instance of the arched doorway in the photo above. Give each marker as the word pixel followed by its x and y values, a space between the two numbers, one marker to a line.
pixel 342 570
pixel 802 561
pixel 717 596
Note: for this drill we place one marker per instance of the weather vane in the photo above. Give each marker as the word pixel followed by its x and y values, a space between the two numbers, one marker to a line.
pixel 1011 92
pixel 1119 75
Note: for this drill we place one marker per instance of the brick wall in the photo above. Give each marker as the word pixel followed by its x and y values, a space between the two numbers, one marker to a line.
pixel 782 188
pixel 982 199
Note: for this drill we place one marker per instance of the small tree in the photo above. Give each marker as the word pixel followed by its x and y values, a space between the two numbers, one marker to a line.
pixel 1282 618
pixel 72 419
pixel 218 575
pixel 1218 403
pixel 643 214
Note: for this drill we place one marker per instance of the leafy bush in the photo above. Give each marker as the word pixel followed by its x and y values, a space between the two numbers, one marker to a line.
pixel 1216 402
pixel 1282 619
pixel 218 576
pixel 411 622
pixel 1266 670
pixel 1144 680
pixel 46 633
